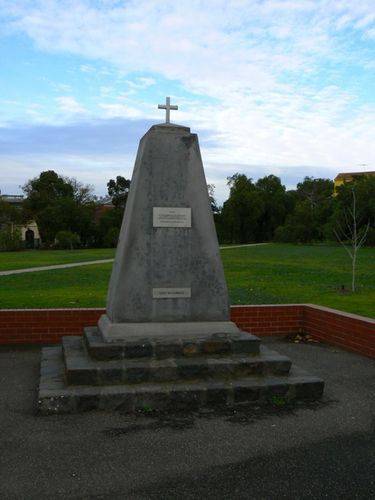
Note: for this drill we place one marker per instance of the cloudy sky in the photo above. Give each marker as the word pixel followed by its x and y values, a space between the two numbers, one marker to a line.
pixel 271 86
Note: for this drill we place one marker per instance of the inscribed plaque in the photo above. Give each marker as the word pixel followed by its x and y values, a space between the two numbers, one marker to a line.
pixel 171 217
pixel 171 293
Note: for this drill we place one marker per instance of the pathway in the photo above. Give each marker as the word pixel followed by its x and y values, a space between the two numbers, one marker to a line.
pixel 56 266
pixel 91 262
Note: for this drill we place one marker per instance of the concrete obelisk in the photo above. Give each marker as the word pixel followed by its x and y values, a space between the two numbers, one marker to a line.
pixel 166 342
pixel 167 277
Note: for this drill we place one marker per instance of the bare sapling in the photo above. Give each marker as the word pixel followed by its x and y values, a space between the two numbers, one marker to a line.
pixel 350 237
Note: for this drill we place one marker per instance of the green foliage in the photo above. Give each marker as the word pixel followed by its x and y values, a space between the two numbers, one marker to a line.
pixel 242 210
pixel 108 222
pixel 108 227
pixel 67 240
pixel 317 214
pixel 370 240
pixel 275 206
pixel 60 204
pixel 211 196
pixel 111 238
pixel 118 190
pixel 313 205
pixel 364 189
pixel 252 211
pixel 10 214
pixel 10 239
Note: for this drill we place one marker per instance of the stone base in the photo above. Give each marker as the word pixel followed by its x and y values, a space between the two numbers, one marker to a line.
pixel 161 347
pixel 166 374
pixel 55 397
pixel 132 331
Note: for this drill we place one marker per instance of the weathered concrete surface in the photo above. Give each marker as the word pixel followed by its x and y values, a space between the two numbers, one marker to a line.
pixel 323 450
pixel 185 386
pixel 168 347
pixel 113 331
pixel 223 370
pixel 168 173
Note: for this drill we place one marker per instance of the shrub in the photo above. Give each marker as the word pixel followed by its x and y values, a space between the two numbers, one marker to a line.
pixel 111 237
pixel 370 240
pixel 10 240
pixel 67 240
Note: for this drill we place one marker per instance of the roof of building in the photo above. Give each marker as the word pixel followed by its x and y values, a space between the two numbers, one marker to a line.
pixel 353 174
pixel 12 198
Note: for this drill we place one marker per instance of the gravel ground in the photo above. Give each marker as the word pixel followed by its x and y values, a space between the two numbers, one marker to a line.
pixel 316 450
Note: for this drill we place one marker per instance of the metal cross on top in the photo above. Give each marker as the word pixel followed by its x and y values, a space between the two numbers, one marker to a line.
pixel 167 106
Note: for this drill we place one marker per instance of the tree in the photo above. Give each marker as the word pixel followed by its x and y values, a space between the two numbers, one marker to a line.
pixel 108 227
pixel 241 212
pixel 10 217
pixel 275 204
pixel 299 227
pixel 312 206
pixel 111 237
pixel 109 221
pixel 59 203
pixel 118 190
pixel 350 235
pixel 9 214
pixel 211 196
pixel 315 191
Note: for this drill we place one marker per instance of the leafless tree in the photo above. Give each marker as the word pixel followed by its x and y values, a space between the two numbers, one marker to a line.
pixel 350 237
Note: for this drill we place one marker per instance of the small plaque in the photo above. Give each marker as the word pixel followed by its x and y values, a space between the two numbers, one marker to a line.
pixel 171 293
pixel 171 217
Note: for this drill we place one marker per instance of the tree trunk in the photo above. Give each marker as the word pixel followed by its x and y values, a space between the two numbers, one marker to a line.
pixel 354 260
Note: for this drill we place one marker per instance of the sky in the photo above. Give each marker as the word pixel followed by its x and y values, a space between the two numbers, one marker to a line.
pixel 284 87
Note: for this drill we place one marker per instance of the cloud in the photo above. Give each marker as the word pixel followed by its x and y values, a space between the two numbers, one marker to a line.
pixel 96 151
pixel 141 83
pixel 86 68
pixel 120 110
pixel 272 81
pixel 95 170
pixel 92 137
pixel 69 105
pixel 218 48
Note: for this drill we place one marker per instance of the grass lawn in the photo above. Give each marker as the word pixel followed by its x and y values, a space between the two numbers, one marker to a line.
pixel 36 258
pixel 270 274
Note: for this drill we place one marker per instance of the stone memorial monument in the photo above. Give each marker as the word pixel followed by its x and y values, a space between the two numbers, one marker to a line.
pixel 166 340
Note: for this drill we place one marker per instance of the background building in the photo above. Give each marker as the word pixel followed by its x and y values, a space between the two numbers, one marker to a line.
pixel 348 177
pixel 29 231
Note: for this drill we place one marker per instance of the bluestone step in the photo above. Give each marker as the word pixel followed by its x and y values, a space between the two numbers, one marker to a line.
pixel 56 397
pixel 180 346
pixel 81 369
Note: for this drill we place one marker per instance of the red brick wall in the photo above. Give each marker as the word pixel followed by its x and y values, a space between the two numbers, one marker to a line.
pixel 349 331
pixel 44 326
pixel 269 319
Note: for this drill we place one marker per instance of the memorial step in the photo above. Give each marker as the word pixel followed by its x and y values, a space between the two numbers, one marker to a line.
pixel 81 369
pixel 55 397
pixel 179 346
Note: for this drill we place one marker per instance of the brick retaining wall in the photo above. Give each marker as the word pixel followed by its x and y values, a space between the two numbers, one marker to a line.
pixel 349 331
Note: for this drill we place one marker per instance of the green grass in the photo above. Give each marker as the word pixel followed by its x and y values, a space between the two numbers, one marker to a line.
pixel 36 258
pixel 270 274
pixel 277 274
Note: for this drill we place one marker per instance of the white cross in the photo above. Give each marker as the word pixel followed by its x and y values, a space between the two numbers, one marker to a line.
pixel 167 106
